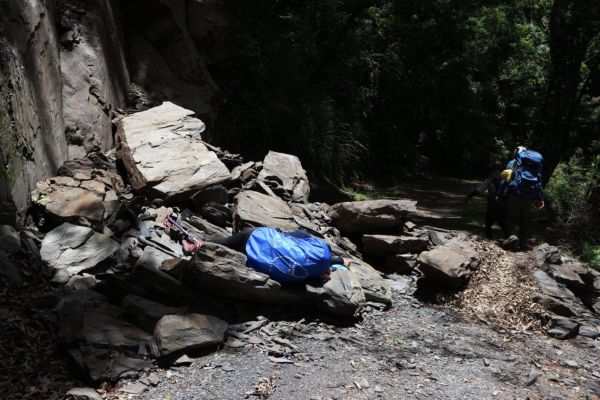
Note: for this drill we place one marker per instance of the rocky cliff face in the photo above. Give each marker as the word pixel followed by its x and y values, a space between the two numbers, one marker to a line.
pixel 68 68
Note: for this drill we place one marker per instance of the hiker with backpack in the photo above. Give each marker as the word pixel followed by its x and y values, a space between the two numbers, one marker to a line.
pixel 495 212
pixel 522 191
pixel 284 256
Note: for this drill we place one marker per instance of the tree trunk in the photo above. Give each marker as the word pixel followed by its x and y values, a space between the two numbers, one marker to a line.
pixel 572 28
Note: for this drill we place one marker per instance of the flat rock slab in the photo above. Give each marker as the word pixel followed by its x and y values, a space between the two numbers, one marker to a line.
pixel 371 215
pixel 389 244
pixel 451 264
pixel 222 272
pixel 289 170
pixel 71 249
pixel 253 209
pixel 163 152
pixel 188 333
pixel 342 294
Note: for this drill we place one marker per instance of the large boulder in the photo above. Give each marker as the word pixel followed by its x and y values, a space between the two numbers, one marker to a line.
pixel 188 333
pixel 450 264
pixel 222 272
pixel 253 209
pixel 71 249
pixel 390 244
pixel 289 170
pixel 371 215
pixel 341 294
pixel 163 153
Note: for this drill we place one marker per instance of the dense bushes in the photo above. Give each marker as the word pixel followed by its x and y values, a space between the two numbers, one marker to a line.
pixel 576 216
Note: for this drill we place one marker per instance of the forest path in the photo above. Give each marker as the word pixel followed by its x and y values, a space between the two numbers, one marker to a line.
pixel 483 343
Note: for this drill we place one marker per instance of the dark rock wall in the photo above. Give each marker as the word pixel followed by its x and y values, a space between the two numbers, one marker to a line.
pixel 69 67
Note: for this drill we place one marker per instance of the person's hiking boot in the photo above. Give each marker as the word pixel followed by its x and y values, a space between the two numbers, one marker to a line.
pixel 510 243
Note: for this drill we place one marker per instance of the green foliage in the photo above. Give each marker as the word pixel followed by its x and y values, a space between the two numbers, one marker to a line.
pixel 385 89
pixel 591 254
pixel 569 189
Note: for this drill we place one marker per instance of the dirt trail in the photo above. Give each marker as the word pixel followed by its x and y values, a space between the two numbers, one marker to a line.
pixel 484 343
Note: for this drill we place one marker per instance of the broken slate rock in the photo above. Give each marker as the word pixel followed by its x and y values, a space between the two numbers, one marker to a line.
pixel 450 264
pixel 70 249
pixel 389 244
pixel 562 328
pixel 10 239
pixel 217 194
pixel 164 154
pixel 253 209
pixel 146 313
pixel 289 170
pixel 401 263
pixel 374 286
pixel 340 295
pixel 83 394
pixel 222 272
pixel 188 333
pixel 106 364
pixel 371 215
pixel 9 270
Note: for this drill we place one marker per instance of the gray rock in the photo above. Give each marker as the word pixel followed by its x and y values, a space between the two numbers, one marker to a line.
pixel 576 276
pixel 152 257
pixel 371 215
pixel 10 239
pixel 8 213
pixel 401 263
pixel 374 286
pixel 450 264
pixel 186 333
pixel 252 209
pixel 550 287
pixel 71 249
pixel 217 194
pixel 556 305
pixel 86 188
pixel 106 364
pixel 222 272
pixel 162 286
pixel 83 281
pixel 146 313
pixel 164 154
pixel 216 213
pixel 389 244
pixel 340 295
pixel 589 332
pixel 240 172
pixel 201 227
pixel 134 388
pixel 562 328
pixel 289 170
pixel 83 394
pixel 9 270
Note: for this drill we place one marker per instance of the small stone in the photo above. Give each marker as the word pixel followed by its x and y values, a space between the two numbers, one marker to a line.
pixel 486 362
pixel 378 389
pixel 153 379
pixel 134 388
pixel 228 368
pixel 571 363
pixel 234 344
pixel 531 378
pixel 83 394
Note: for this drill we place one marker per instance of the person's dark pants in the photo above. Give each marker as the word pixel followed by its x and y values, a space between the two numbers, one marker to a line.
pixel 238 240
pixel 519 214
pixel 496 213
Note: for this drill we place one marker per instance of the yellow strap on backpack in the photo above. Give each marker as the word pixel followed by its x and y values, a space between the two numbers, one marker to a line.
pixel 506 175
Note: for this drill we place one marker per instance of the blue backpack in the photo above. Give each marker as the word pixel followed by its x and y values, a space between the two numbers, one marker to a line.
pixel 526 179
pixel 285 258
